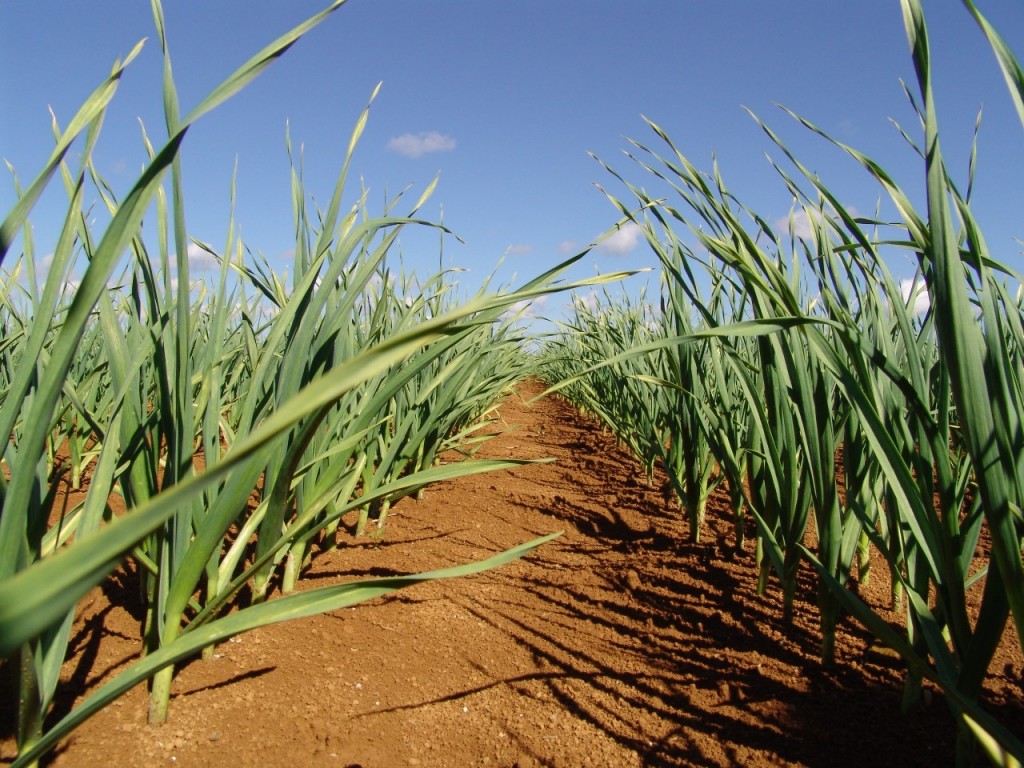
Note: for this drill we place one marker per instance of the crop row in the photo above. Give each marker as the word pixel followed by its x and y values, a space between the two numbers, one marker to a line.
pixel 829 398
pixel 219 432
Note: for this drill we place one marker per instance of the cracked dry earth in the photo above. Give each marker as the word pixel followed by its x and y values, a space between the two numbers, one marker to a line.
pixel 618 644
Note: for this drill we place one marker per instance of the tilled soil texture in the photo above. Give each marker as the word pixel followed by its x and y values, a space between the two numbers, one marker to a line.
pixel 618 644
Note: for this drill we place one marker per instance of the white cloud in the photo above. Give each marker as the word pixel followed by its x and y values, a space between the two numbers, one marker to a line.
pixel 589 301
pixel 520 249
pixel 801 223
pixel 567 246
pixel 200 260
pixel 916 289
pixel 804 221
pixel 623 240
pixel 416 144
pixel 524 309
pixel 71 286
pixel 376 281
pixel 43 267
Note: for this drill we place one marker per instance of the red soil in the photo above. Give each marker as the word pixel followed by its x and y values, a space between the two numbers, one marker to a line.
pixel 618 644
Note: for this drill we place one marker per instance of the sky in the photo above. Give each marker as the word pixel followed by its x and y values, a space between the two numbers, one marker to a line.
pixel 506 101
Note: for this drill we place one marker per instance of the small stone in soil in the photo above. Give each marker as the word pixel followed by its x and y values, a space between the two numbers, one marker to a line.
pixel 633 580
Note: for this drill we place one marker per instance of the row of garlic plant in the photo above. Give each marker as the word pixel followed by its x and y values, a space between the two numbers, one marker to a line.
pixel 812 357
pixel 306 403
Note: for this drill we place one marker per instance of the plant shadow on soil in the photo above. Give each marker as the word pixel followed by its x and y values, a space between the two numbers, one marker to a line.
pixel 665 647
pixel 705 645
pixel 620 643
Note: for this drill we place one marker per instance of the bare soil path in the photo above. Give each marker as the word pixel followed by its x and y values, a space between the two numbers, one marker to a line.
pixel 619 644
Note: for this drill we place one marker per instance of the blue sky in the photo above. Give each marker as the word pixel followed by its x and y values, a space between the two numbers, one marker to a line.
pixel 505 100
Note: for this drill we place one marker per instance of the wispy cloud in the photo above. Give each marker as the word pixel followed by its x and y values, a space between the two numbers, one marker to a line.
pixel 623 240
pixel 416 144
pixel 568 246
pixel 520 248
